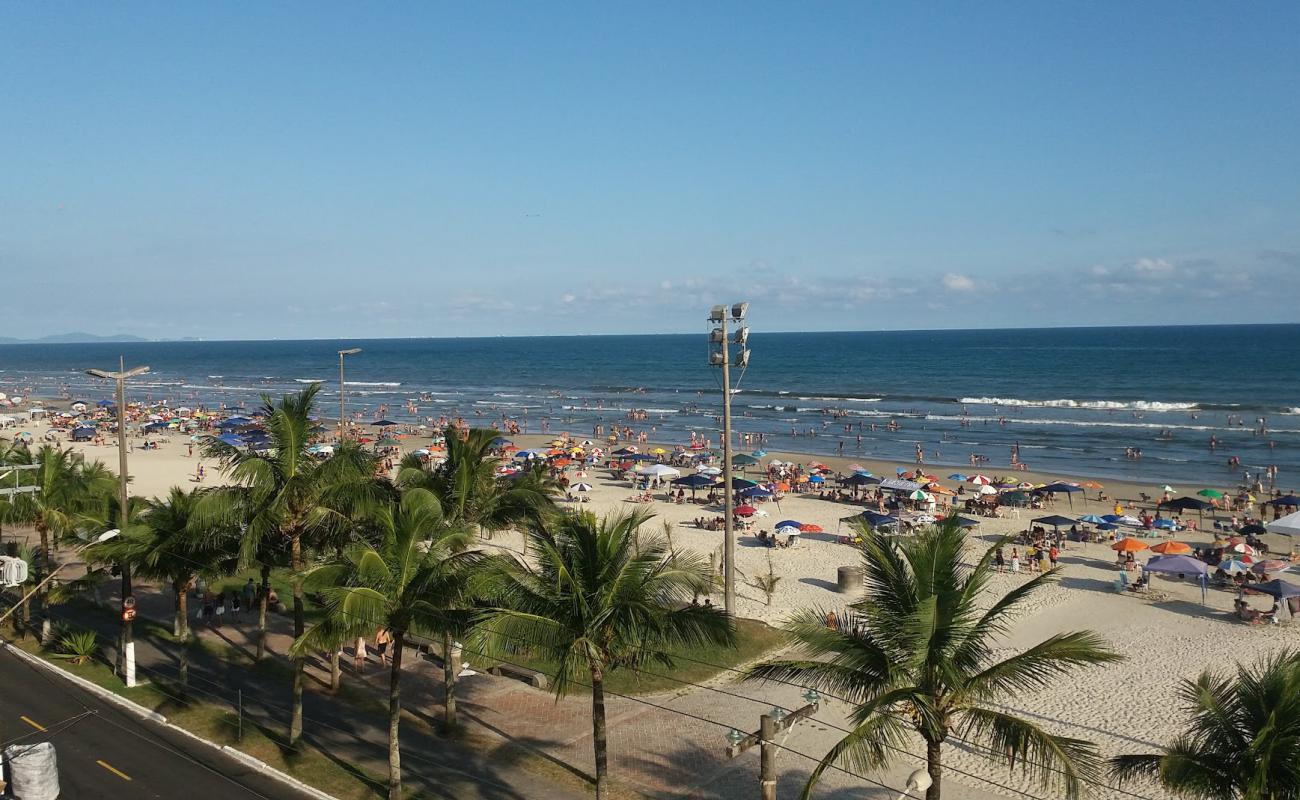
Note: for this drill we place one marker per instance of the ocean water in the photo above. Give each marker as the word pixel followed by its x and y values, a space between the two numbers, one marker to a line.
pixel 1074 399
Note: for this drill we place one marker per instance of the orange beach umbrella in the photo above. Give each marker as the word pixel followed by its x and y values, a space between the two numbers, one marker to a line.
pixel 1172 548
pixel 1129 545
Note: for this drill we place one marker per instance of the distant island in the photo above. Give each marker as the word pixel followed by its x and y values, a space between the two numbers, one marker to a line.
pixel 77 337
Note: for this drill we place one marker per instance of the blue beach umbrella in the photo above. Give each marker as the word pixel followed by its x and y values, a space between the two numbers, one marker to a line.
pixel 1092 519
pixel 755 491
pixel 231 439
pixel 816 479
pixel 789 523
pixel 956 476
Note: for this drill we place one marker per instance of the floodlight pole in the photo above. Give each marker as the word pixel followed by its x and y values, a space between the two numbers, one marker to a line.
pixel 729 542
pixel 126 653
pixel 342 396
pixel 722 358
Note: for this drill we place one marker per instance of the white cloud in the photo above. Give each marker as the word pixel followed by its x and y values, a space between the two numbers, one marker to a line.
pixel 958 283
pixel 1153 268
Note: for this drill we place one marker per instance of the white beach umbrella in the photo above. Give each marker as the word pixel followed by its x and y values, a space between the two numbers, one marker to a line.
pixel 659 471
pixel 986 489
pixel 582 487
pixel 979 480
pixel 709 471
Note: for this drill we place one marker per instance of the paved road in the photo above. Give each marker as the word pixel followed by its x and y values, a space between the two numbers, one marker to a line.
pixel 111 754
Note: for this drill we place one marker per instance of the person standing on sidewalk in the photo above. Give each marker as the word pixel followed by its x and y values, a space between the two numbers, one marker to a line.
pixel 382 638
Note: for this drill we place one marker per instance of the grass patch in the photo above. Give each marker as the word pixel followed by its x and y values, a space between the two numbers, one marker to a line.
pixel 753 639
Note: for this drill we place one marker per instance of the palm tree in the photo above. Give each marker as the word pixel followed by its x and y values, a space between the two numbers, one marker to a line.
pixel 163 543
pixel 473 496
pixel 69 490
pixel 918 653
pixel 598 596
pixel 1243 739
pixel 469 489
pixel 415 580
pixel 286 497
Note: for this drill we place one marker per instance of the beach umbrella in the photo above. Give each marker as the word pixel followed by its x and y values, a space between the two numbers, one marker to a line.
pixel 986 489
pixel 659 471
pixel 582 487
pixel 1112 518
pixel 231 439
pixel 1128 520
pixel 1129 545
pixel 872 518
pixel 755 491
pixel 1092 485
pixel 1164 524
pixel 1270 565
pixel 809 527
pixel 1107 526
pixel 659 451
pixel 1092 519
pixel 696 481
pixel 789 523
pixel 759 453
pixel 1277 587
pixel 956 476
pixel 1176 565
pixel 1284 501
pixel 1234 567
pixel 1215 493
pixel 920 494
pixel 1172 548
pixel 860 479
pixel 743 460
pixel 742 483
pixel 1287 526
pixel 1055 520
pixel 787 530
pixel 979 480
pixel 709 471
pixel 816 479
pixel 782 486
pixel 1168 488
pixel 1243 548
pixel 383 423
pixel 744 511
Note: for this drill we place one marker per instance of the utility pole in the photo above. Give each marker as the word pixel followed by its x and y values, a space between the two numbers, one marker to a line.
pixel 770 725
pixel 721 357
pixel 126 653
pixel 342 396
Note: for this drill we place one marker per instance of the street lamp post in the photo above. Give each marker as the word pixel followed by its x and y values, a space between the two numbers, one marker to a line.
pixel 343 397
pixel 126 653
pixel 721 357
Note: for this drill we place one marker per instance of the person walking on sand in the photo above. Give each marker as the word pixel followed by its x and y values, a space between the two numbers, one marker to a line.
pixel 382 638
pixel 1000 561
pixel 1015 561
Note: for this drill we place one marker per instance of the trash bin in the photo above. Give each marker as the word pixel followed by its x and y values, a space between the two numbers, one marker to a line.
pixel 33 771
pixel 850 578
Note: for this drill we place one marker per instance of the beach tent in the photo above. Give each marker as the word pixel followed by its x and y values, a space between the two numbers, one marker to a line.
pixel 743 460
pixel 1176 565
pixel 872 518
pixel 742 483
pixel 1284 501
pixel 1277 587
pixel 964 522
pixel 1060 486
pixel 83 434
pixel 659 471
pixel 1287 526
pixel 860 479
pixel 1055 520
pixel 899 485
pixel 383 423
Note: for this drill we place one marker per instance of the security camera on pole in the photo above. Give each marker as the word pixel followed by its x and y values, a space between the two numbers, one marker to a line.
pixel 719 356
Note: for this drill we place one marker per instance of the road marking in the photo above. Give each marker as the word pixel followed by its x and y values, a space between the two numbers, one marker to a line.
pixel 119 773
pixel 38 726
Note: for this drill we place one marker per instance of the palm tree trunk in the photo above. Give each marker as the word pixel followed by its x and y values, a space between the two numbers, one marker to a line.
pixel 598 730
pixel 336 669
pixel 934 763
pixel 180 623
pixel 448 680
pixel 47 567
pixel 264 597
pixel 395 720
pixel 299 627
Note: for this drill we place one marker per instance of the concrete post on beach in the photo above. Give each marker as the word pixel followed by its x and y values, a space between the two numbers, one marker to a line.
pixel 849 580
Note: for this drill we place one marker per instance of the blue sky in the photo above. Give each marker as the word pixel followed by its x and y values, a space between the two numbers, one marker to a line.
pixel 333 169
